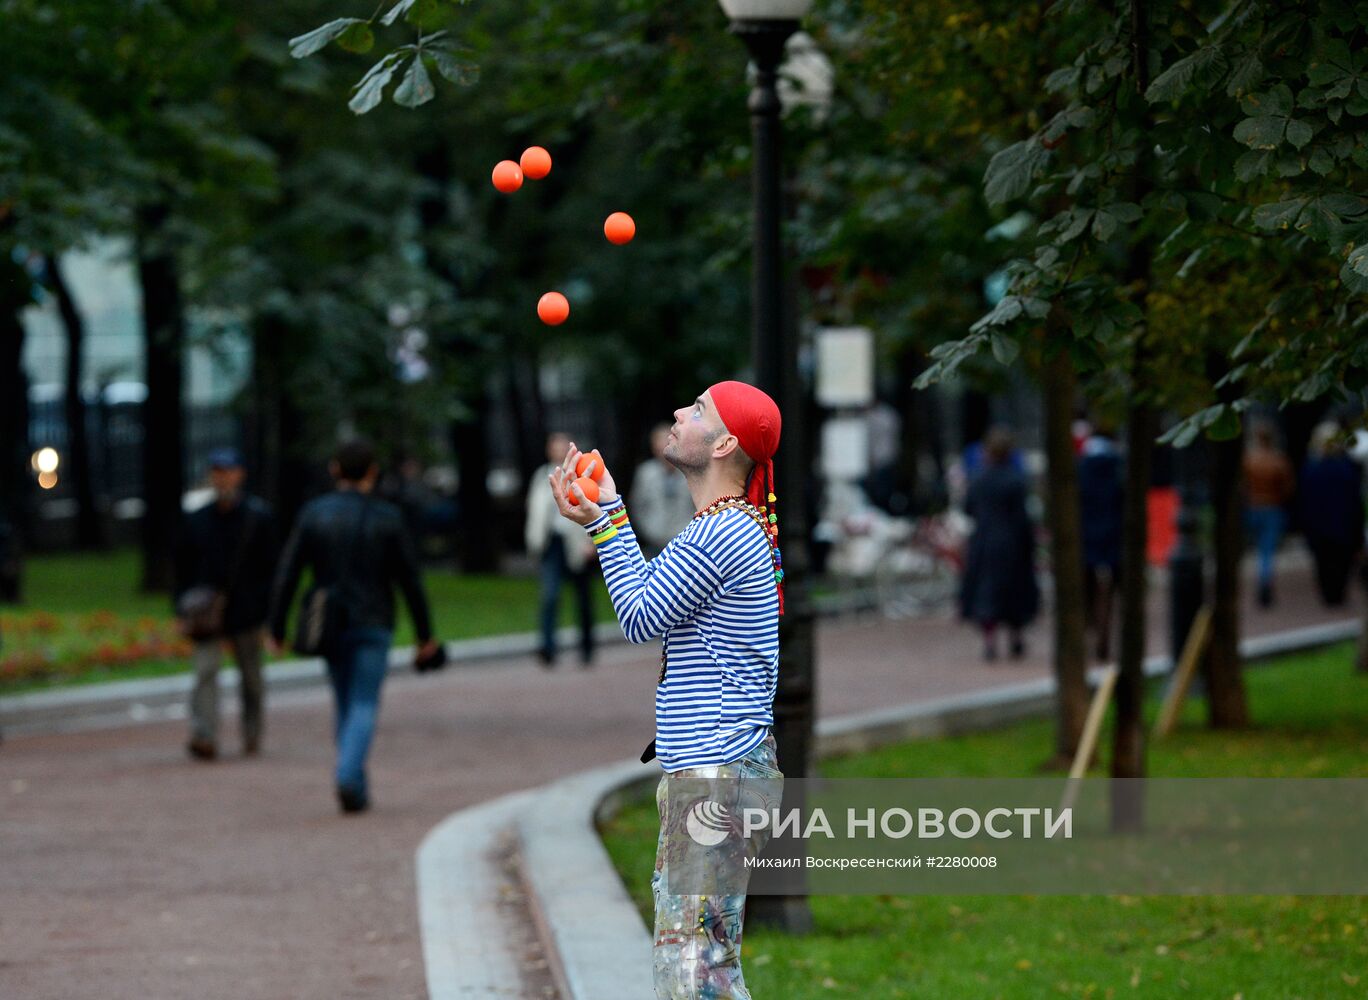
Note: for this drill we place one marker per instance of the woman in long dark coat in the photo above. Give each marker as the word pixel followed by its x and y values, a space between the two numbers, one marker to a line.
pixel 999 584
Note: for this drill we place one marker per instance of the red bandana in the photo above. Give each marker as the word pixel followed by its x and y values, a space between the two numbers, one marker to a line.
pixel 753 417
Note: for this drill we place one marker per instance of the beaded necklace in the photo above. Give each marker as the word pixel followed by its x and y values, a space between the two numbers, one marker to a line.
pixel 768 521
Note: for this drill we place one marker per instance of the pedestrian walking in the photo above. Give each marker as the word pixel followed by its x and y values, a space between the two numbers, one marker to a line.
pixel 1331 494
pixel 1101 498
pixel 565 556
pixel 358 550
pixel 1269 485
pixel 715 594
pixel 999 585
pixel 660 497
pixel 225 559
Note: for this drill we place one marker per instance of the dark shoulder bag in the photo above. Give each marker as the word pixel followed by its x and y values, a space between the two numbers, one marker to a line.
pixel 323 612
pixel 203 608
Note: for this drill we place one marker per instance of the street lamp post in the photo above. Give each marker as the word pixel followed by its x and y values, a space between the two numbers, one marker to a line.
pixel 764 26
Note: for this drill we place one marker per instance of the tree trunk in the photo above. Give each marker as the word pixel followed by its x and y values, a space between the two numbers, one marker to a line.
pixel 477 545
pixel 1128 745
pixel 14 421
pixel 1362 660
pixel 1066 555
pixel 76 462
pixel 1227 706
pixel 163 435
pixel 1128 753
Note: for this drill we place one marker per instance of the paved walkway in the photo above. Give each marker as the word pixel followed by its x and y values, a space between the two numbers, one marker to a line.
pixel 127 871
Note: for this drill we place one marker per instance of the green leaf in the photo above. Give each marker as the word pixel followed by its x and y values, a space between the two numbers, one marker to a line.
pixel 1279 214
pixel 1062 79
pixel 1246 75
pixel 1261 133
pixel 424 14
pixel 357 38
pixel 314 41
pixel 1125 211
pixel 1226 427
pixel 416 87
pixel 1011 171
pixel 1348 205
pixel 1358 261
pixel 1197 71
pixel 456 70
pixel 1005 349
pixel 1321 161
pixel 1254 163
pixel 396 12
pixel 1299 133
pixel 1352 277
pixel 1008 309
pixel 1104 225
pixel 371 87
pixel 1078 221
pixel 1275 103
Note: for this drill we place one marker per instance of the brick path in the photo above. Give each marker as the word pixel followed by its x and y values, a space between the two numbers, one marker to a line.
pixel 127 871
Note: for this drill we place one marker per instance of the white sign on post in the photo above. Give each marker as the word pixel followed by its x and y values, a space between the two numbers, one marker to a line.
pixel 845 366
pixel 845 448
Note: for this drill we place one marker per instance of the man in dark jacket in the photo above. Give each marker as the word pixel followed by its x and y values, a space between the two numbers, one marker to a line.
pixel 229 545
pixel 358 548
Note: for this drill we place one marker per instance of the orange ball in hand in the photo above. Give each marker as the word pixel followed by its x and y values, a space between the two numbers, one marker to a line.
pixel 508 176
pixel 587 486
pixel 582 467
pixel 553 308
pixel 619 228
pixel 535 163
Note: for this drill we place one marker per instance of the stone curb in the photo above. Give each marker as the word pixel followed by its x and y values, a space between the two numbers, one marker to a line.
pixel 598 946
pixel 119 703
pixel 459 897
pixel 594 939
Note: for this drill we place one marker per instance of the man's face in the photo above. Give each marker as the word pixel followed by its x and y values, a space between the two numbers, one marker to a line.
pixel 226 482
pixel 556 447
pixel 690 442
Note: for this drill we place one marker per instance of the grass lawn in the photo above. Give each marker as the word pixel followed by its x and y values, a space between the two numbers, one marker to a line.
pixel 83 614
pixel 1312 714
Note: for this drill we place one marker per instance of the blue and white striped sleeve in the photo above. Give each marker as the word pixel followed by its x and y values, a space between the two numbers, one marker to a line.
pixel 630 544
pixel 651 598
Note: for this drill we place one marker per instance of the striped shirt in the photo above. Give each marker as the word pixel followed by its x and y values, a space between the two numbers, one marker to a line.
pixel 710 594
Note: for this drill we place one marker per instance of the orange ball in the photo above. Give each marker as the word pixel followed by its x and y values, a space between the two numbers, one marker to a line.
pixel 535 163
pixel 619 228
pixel 588 487
pixel 508 176
pixel 553 308
pixel 586 460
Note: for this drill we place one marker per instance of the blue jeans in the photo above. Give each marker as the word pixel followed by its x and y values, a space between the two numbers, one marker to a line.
pixel 356 670
pixel 554 572
pixel 1266 525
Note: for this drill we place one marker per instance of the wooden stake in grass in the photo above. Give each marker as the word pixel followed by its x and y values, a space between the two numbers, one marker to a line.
pixel 1194 647
pixel 1092 728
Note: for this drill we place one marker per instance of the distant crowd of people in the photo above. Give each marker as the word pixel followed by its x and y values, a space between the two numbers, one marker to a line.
pixel 1327 498
pixel 999 588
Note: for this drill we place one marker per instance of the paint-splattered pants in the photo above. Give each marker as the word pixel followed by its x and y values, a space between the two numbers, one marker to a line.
pixel 697 953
